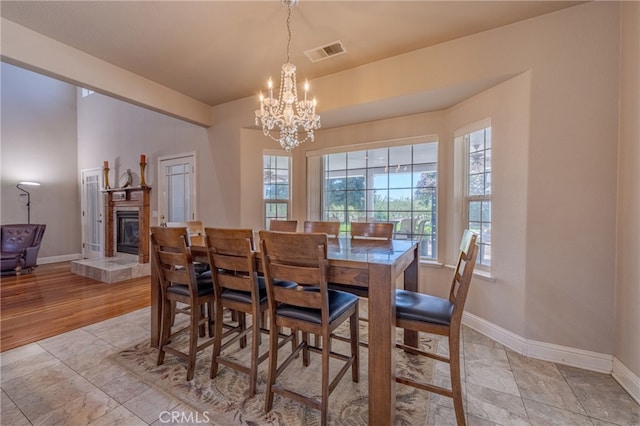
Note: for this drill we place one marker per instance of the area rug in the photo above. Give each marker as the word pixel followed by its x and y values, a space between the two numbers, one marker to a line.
pixel 225 402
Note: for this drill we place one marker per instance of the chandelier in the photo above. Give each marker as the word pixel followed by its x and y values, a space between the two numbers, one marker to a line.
pixel 287 112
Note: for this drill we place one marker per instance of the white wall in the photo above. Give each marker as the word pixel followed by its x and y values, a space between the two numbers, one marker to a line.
pixel 39 144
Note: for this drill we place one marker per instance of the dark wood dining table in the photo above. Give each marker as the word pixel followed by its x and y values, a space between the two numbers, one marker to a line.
pixel 367 265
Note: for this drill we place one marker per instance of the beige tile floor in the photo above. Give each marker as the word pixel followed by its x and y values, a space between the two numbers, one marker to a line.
pixel 66 380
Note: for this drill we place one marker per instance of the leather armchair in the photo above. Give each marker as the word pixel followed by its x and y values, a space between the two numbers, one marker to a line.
pixel 20 245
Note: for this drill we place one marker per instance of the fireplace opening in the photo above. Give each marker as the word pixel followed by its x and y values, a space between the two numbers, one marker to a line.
pixel 127 233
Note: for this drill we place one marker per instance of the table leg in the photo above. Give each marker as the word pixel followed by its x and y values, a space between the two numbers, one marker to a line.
pixel 411 284
pixel 381 345
pixel 156 310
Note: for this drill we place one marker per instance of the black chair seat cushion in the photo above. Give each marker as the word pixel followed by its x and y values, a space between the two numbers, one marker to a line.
pixel 245 296
pixel 202 268
pixel 339 302
pixel 205 287
pixel 423 307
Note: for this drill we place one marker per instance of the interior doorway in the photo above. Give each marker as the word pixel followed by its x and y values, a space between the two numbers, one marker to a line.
pixel 177 188
pixel 92 203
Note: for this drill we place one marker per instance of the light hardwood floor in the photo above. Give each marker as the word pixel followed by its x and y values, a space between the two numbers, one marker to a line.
pixel 51 300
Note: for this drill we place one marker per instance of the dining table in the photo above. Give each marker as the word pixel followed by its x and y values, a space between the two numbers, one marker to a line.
pixel 372 267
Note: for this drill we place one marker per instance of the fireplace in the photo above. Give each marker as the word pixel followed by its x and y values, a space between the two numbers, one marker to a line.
pixel 127 232
pixel 134 200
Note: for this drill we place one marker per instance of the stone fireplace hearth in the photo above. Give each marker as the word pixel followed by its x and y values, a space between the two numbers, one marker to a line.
pixel 126 245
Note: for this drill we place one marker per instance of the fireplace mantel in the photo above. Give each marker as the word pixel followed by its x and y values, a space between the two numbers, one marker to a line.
pixel 137 197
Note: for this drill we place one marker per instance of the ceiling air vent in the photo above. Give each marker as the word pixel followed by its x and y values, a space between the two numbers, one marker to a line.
pixel 332 49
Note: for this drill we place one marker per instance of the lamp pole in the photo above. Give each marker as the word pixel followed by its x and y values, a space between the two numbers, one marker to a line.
pixel 28 196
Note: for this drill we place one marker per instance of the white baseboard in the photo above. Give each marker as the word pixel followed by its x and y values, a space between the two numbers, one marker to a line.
pixel 629 381
pixel 602 363
pixel 56 259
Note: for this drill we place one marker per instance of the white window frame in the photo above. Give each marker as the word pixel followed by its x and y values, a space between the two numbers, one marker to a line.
pixel 267 201
pixel 462 154
pixel 315 176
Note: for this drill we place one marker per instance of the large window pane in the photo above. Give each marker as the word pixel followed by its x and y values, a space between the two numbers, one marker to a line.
pixel 478 146
pixel 397 184
pixel 276 188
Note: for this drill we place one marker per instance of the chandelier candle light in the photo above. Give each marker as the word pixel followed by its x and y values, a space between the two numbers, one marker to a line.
pixel 287 112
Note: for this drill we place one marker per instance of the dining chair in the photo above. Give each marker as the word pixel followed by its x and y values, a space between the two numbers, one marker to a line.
pixel 194 228
pixel 371 233
pixel 283 225
pixel 179 283
pixel 310 308
pixel 196 232
pixel 239 288
pixel 430 314
pixel 372 230
pixel 331 228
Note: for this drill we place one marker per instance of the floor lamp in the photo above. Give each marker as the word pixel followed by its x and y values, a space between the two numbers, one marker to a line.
pixel 26 183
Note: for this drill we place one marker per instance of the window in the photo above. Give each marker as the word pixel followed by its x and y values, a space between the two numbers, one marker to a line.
pixel 391 184
pixel 478 190
pixel 276 190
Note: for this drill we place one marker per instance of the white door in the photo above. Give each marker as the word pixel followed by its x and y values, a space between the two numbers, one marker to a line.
pixel 92 211
pixel 177 188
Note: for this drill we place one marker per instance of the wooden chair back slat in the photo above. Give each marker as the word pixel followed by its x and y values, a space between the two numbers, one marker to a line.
pixel 332 229
pixel 463 274
pixel 378 230
pixel 174 263
pixel 232 258
pixel 301 258
pixel 283 225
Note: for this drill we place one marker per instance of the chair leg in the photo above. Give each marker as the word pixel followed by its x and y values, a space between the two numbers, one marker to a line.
pixel 217 341
pixel 242 323
pixel 456 385
pixel 273 366
pixel 324 401
pixel 211 314
pixel 355 346
pixel 305 349
pixel 255 348
pixel 194 332
pixel 173 313
pixel 202 331
pixel 165 329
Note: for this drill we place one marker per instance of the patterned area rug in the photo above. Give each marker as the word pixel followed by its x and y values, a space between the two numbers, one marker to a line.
pixel 225 400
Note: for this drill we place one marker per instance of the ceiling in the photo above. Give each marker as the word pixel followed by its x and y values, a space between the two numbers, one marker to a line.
pixel 219 51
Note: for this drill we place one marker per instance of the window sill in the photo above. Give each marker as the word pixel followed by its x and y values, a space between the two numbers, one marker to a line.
pixel 431 263
pixel 483 275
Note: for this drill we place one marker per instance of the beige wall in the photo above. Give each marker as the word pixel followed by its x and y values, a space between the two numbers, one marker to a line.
pixel 571 171
pixel 34 51
pixel 118 132
pixel 38 143
pixel 627 325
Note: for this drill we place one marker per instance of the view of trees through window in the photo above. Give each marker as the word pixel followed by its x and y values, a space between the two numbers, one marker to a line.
pixel 478 189
pixel 394 184
pixel 276 188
